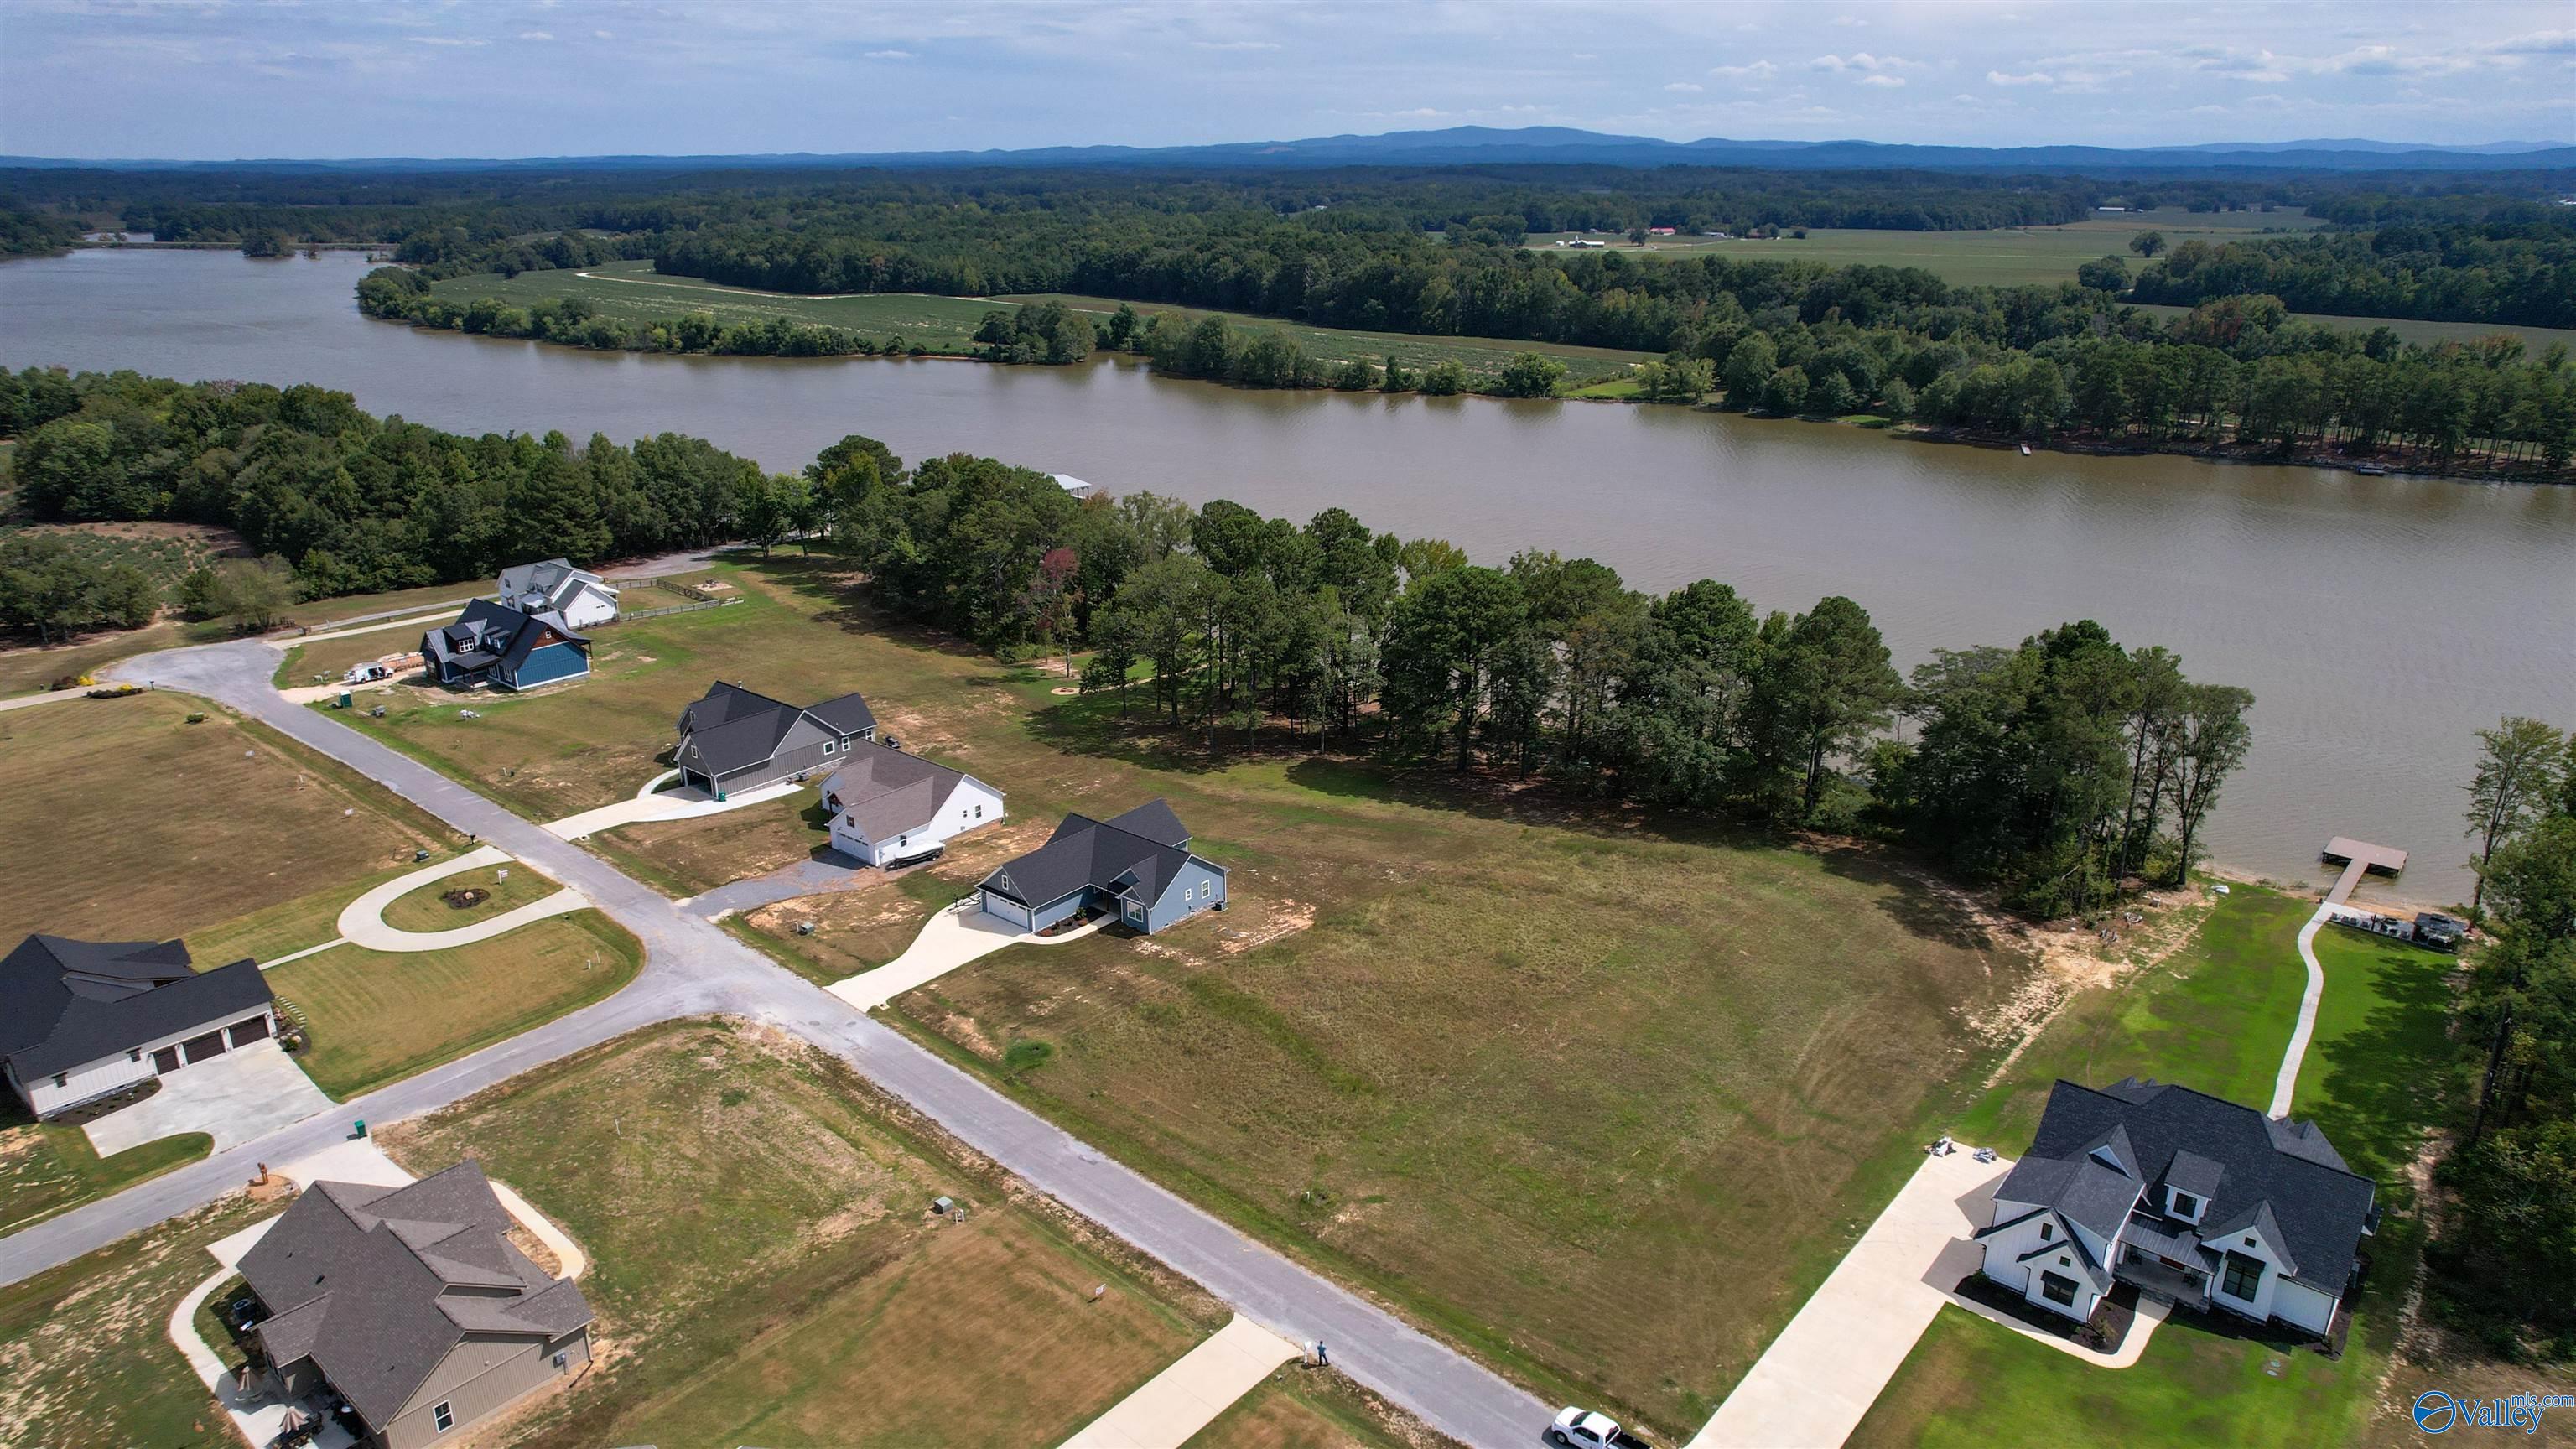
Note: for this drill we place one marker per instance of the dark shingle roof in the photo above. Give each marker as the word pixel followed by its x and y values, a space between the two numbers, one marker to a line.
pixel 2285 1177
pixel 486 633
pixel 1155 821
pixel 1101 854
pixel 359 1278
pixel 2082 1191
pixel 731 729
pixel 66 1003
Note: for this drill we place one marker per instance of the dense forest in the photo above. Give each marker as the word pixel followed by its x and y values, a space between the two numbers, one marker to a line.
pixel 25 233
pixel 2517 269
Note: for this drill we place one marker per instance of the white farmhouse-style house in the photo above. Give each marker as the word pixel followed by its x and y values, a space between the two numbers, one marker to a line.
pixel 81 1021
pixel 2187 1197
pixel 581 597
pixel 889 806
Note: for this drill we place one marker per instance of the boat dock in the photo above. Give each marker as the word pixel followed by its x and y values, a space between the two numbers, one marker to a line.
pixel 2359 857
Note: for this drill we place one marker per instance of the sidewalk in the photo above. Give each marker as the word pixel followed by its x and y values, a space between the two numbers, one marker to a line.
pixel 362 921
pixel 1183 1399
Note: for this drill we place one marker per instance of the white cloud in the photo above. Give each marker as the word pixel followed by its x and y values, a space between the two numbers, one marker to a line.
pixel 890 55
pixel 1889 82
pixel 1684 88
pixel 2031 78
pixel 1758 70
pixel 454 40
pixel 1862 60
pixel 1234 45
pixel 536 35
pixel 603 35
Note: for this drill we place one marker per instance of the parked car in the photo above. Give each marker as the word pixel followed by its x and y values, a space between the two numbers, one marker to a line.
pixel 2434 928
pixel 1585 1429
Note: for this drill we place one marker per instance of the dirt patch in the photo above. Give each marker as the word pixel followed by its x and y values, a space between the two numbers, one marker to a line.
pixel 536 1249
pixel 466 899
pixel 1280 918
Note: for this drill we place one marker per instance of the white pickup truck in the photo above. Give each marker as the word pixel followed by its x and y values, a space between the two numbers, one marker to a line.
pixel 1583 1429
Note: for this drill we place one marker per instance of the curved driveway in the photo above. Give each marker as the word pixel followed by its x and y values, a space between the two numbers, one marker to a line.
pixel 694 968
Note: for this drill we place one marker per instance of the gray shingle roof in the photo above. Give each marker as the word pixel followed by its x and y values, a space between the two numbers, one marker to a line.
pixel 886 792
pixel 359 1277
pixel 2082 1191
pixel 731 729
pixel 66 1003
pixel 486 633
pixel 2285 1173
pixel 1103 855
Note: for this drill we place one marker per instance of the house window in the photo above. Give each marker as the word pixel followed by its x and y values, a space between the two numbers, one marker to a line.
pixel 979 812
pixel 443 1415
pixel 2244 1275
pixel 62 1079
pixel 2047 1231
pixel 829 747
pixel 1207 888
pixel 563 1360
pixel 134 1055
pixel 2185 1205
pixel 2057 1288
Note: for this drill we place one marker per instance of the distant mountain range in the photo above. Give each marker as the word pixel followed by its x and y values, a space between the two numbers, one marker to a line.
pixel 1532 145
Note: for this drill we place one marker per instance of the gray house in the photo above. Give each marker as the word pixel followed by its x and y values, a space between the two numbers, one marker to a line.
pixel 412 1305
pixel 2185 1196
pixel 1137 866
pixel 84 1020
pixel 505 647
pixel 734 738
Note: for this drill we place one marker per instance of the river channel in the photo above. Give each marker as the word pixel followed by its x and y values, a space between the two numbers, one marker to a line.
pixel 2377 620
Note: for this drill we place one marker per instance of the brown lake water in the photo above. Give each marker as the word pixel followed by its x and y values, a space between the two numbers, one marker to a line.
pixel 2377 620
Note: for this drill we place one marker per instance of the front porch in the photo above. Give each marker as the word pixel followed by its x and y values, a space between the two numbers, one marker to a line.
pixel 2161 1278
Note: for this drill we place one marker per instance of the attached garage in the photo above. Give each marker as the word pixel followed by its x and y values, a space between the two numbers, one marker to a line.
pixel 199 1048
pixel 245 1032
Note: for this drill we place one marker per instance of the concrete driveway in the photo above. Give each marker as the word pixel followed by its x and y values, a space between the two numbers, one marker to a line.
pixel 953 938
pixel 363 920
pixel 246 1093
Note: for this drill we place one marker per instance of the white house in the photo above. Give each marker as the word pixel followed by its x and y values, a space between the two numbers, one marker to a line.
pixel 583 598
pixel 81 1020
pixel 1073 485
pixel 2188 1198
pixel 888 805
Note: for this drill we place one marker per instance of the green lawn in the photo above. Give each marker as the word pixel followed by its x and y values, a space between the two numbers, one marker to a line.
pixel 2535 339
pixel 633 292
pixel 47 1168
pixel 802 1299
pixel 84 1356
pixel 2380 1074
pixel 505 888
pixel 1300 1407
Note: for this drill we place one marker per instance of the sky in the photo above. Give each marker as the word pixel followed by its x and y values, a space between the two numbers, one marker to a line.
pixel 218 79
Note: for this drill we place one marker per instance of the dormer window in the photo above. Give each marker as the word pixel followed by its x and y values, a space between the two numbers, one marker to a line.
pixel 2184 1205
pixel 2047 1231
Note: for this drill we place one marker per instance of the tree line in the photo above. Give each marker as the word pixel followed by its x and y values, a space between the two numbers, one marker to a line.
pixel 2054 770
pixel 349 501
pixel 2520 271
pixel 2505 1255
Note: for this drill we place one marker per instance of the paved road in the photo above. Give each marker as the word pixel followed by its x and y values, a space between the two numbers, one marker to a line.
pixel 693 968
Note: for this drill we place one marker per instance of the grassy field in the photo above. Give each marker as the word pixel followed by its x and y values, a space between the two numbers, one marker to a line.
pixel 506 888
pixel 810 1302
pixel 1299 1408
pixel 632 292
pixel 155 827
pixel 2378 1078
pixel 84 1358
pixel 2001 257
pixel 379 1016
pixel 2535 339
pixel 1642 1064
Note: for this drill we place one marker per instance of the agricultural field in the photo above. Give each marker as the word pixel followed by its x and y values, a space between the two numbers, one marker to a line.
pixel 632 292
pixel 2535 339
pixel 1435 1030
pixel 2215 1015
pixel 813 1301
pixel 1998 257
pixel 84 1358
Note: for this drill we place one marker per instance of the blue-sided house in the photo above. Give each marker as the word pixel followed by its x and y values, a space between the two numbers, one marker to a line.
pixel 1138 867
pixel 499 645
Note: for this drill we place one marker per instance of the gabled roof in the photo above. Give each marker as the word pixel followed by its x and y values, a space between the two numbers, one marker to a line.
pixel 2082 1190
pixel 1103 855
pixel 2282 1178
pixel 886 792
pixel 555 580
pixel 376 1285
pixel 486 633
pixel 730 729
pixel 67 1003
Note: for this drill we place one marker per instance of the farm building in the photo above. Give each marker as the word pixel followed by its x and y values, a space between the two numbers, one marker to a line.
pixel 1138 866
pixel 85 1020
pixel 583 598
pixel 734 738
pixel 411 1305
pixel 888 805
pixel 2186 1196
pixel 505 647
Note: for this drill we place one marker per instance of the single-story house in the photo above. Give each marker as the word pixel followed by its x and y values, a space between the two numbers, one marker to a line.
pixel 412 1305
pixel 2188 1197
pixel 1138 866
pixel 81 1020
pixel 887 805
pixel 581 597
pixel 734 738
pixel 1073 485
pixel 506 647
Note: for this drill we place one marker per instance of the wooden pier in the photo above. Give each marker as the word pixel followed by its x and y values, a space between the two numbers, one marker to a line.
pixel 2359 857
